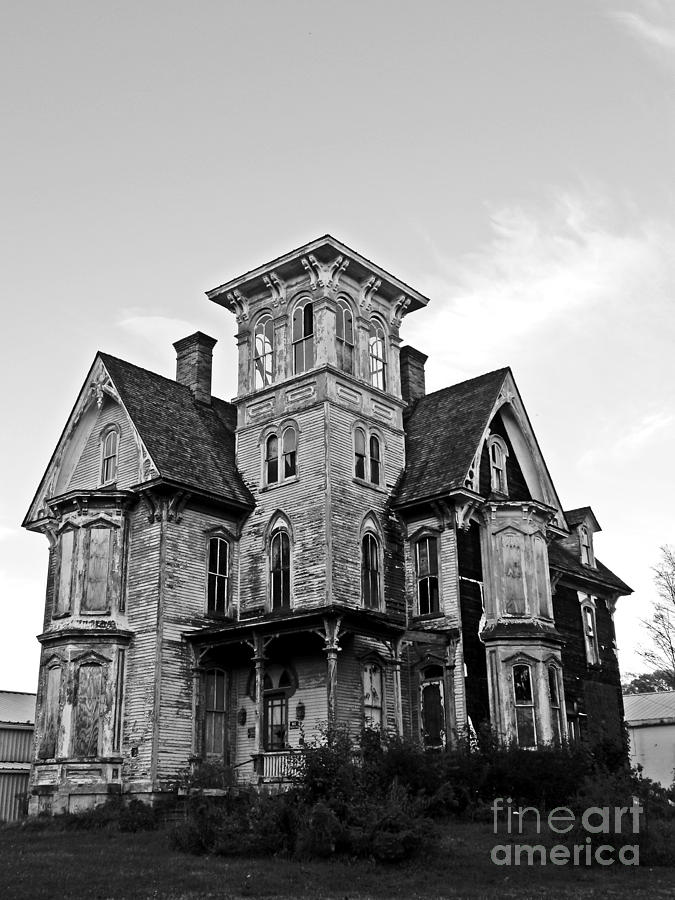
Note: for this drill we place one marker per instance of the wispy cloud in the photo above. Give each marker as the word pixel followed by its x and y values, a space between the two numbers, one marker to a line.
pixel 158 330
pixel 541 270
pixel 653 25
pixel 633 440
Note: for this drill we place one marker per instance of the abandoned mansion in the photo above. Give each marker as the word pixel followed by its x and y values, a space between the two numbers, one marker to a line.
pixel 335 544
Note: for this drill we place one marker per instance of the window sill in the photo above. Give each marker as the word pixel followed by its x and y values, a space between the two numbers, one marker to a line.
pixel 362 482
pixel 97 613
pixel 277 484
pixel 63 615
pixel 425 617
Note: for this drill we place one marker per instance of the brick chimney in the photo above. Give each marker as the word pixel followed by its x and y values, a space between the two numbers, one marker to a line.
pixel 412 374
pixel 194 355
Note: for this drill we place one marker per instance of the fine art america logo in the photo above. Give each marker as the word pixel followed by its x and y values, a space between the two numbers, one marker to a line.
pixel 588 827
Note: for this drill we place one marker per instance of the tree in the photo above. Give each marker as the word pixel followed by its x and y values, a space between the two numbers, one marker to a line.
pixel 644 683
pixel 660 655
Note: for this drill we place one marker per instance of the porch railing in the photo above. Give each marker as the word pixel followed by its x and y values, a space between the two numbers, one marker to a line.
pixel 280 766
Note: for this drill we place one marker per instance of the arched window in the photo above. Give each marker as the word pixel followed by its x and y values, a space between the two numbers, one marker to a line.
pixel 218 574
pixel 372 695
pixel 344 333
pixel 272 459
pixel 426 564
pixel 556 706
pixel 303 337
pixel 263 356
pixel 524 703
pixel 377 355
pixel 289 442
pixel 280 570
pixel 374 459
pixel 109 444
pixel 497 452
pixel 370 572
pixel 359 453
pixel 214 712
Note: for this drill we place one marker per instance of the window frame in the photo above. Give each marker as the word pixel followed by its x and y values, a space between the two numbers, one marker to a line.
pixel 212 609
pixel 89 529
pixel 377 362
pixel 263 378
pixel 524 704
pixel 214 714
pixel 88 663
pixel 586 546
pixel 419 539
pixel 280 531
pixel 59 611
pixel 109 432
pixel 276 463
pixel 344 347
pixel 589 626
pixel 371 665
pixel 554 675
pixel 303 346
pixel 371 576
pixel 368 455
pixel 498 477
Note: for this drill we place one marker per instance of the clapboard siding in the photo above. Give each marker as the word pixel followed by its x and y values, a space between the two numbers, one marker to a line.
pixel 87 472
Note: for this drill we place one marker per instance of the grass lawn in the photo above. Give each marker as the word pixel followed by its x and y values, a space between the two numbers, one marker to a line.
pixel 102 864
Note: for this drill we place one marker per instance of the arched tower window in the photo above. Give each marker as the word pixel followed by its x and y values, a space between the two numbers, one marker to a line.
pixel 280 569
pixel 374 459
pixel 344 334
pixel 272 459
pixel 371 587
pixel 289 448
pixel 377 358
pixel 263 358
pixel 359 453
pixel 303 337
pixel 109 445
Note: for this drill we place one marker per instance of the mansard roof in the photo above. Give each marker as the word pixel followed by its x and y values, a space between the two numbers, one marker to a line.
pixel 443 432
pixel 563 561
pixel 191 443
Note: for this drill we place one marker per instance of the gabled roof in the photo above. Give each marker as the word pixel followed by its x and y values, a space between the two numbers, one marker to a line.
pixel 17 708
pixel 575 517
pixel 565 562
pixel 652 706
pixel 443 432
pixel 191 443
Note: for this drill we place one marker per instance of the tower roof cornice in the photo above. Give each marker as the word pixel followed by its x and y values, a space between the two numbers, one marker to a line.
pixel 324 260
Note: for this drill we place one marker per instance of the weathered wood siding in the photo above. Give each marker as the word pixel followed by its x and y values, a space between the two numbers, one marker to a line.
pixel 87 472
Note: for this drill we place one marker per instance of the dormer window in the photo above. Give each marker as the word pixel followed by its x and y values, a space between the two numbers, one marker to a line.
pixel 586 546
pixel 344 337
pixel 498 452
pixel 377 358
pixel 263 359
pixel 303 337
pixel 109 444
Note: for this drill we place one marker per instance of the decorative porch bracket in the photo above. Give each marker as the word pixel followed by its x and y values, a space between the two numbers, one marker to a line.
pixel 396 645
pixel 331 638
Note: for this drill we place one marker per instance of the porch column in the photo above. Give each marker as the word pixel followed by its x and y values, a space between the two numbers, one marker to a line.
pixel 197 708
pixel 396 646
pixel 449 691
pixel 332 648
pixel 259 663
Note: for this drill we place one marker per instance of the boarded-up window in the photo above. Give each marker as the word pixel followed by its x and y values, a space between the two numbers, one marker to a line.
pixel 96 590
pixel 542 578
pixel 214 719
pixel 62 605
pixel 88 710
pixel 514 584
pixel 372 696
pixel 51 715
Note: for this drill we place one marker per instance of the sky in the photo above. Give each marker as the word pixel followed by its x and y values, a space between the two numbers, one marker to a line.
pixel 512 161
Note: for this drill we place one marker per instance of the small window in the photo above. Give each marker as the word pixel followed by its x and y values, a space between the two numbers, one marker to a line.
pixel 370 572
pixel 524 702
pixel 426 559
pixel 214 713
pixel 303 337
pixel 218 574
pixel 359 453
pixel 590 631
pixel 289 450
pixel 372 695
pixel 263 359
pixel 586 549
pixel 556 709
pixel 280 570
pixel 109 445
pixel 498 453
pixel 374 459
pixel 344 332
pixel 272 459
pixel 377 355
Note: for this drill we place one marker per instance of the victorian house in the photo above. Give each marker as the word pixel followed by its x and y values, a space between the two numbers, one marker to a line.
pixel 334 544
